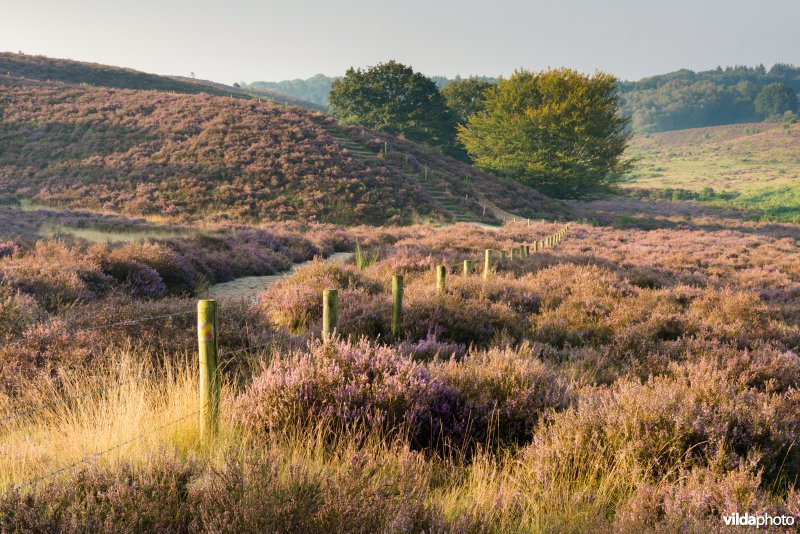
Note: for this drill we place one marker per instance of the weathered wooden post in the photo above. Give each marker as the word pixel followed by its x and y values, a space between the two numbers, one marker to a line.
pixel 467 267
pixel 487 264
pixel 522 251
pixel 441 273
pixel 397 305
pixel 535 245
pixel 514 253
pixel 330 312
pixel 502 255
pixel 209 377
pixel 527 251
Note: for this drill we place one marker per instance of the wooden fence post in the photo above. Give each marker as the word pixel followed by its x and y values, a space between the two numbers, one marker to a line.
pixel 397 305
pixel 441 273
pixel 209 377
pixel 487 264
pixel 467 267
pixel 330 312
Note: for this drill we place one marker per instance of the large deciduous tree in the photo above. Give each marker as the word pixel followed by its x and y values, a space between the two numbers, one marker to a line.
pixel 391 97
pixel 466 97
pixel 557 130
pixel 775 99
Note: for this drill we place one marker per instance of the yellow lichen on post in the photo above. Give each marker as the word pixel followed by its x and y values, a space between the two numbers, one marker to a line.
pixel 209 377
pixel 441 274
pixel 467 267
pixel 330 312
pixel 487 264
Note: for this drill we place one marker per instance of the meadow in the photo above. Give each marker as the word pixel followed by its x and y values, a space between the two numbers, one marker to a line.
pixel 635 377
pixel 750 167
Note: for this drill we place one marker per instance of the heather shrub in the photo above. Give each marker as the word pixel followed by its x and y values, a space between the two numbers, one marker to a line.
pixel 178 274
pixel 261 492
pixel 357 493
pixel 352 384
pixel 696 501
pixel 736 316
pixel 296 301
pixel 697 416
pixel 102 500
pixel 456 319
pixel 518 294
pixel 504 391
pixel 138 280
pixel 53 274
pixel 17 312
pixel 430 347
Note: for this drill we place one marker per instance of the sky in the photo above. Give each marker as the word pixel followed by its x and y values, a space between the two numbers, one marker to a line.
pixel 249 40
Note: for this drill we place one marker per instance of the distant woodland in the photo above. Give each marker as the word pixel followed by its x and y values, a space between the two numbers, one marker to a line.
pixel 673 101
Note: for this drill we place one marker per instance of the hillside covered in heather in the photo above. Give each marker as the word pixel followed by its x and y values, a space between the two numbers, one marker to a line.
pixel 193 156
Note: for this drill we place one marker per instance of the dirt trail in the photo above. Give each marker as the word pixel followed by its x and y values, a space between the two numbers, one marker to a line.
pixel 251 286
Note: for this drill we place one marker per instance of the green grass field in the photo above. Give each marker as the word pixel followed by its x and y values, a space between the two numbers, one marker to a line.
pixel 753 167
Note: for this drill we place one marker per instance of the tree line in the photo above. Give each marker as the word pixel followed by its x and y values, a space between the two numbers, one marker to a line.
pixel 558 130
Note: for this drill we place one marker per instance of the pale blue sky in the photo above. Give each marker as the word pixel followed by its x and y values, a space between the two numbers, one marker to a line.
pixel 247 40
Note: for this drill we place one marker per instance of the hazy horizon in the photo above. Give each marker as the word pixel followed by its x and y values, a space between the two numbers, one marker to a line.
pixel 248 41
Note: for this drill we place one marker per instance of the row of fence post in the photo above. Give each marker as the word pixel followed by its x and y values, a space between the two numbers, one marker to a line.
pixel 210 380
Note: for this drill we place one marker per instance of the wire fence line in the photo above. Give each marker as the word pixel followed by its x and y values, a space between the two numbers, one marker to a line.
pixel 98 454
pixel 131 322
pixel 213 368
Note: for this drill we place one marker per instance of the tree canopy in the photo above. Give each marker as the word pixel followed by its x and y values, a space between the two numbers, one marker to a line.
pixel 465 97
pixel 391 97
pixel 558 130
pixel 776 99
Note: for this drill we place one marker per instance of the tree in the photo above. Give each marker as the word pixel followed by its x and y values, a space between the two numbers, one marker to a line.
pixel 391 97
pixel 557 130
pixel 465 97
pixel 776 99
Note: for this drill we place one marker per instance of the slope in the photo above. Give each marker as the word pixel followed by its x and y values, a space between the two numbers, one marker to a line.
pixel 197 156
pixel 751 167
pixel 83 73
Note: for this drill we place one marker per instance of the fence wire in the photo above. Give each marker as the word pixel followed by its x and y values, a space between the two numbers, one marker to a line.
pixel 91 393
pixel 20 340
pixel 96 455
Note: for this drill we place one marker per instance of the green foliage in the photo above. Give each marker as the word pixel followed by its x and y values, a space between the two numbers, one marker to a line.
pixel 362 259
pixel 688 99
pixel 391 97
pixel 557 130
pixel 776 99
pixel 314 89
pixel 466 97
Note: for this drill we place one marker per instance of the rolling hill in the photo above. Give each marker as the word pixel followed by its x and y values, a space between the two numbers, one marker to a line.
pixel 754 167
pixel 93 74
pixel 195 155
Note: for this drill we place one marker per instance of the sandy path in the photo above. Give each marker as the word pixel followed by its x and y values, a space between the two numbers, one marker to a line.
pixel 251 286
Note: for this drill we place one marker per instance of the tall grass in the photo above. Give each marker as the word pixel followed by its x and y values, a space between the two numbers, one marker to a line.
pixel 39 443
pixel 362 259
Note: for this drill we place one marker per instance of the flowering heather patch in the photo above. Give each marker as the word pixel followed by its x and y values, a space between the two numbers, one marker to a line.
pixel 497 395
pixel 177 155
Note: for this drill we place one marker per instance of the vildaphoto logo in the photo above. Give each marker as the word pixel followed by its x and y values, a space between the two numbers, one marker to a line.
pixel 758 521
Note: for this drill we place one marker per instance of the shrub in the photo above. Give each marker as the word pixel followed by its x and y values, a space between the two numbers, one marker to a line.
pixel 504 391
pixel 736 316
pixel 455 319
pixel 698 416
pixel 178 274
pixel 17 312
pixel 352 384
pixel 53 274
pixel 296 301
